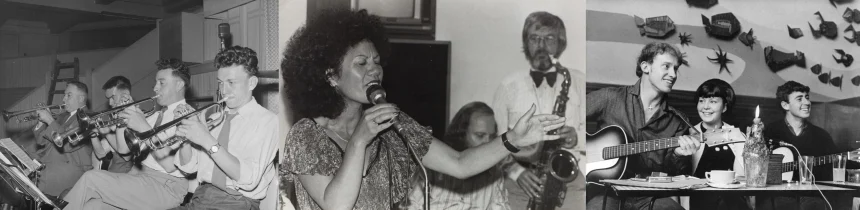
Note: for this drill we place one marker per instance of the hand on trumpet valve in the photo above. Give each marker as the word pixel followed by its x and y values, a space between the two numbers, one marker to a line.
pixel 135 119
pixel 195 130
pixel 45 116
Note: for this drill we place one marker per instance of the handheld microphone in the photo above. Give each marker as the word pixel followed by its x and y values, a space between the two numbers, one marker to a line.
pixel 376 95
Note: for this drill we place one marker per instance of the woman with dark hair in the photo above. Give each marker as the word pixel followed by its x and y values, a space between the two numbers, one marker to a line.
pixel 472 126
pixel 714 98
pixel 342 154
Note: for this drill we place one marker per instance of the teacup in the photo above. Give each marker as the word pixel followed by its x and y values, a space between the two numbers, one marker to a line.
pixel 720 177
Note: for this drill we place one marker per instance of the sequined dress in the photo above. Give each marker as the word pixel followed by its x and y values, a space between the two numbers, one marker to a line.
pixel 308 151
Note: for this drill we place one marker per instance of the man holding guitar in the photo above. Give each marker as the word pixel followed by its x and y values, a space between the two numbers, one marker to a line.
pixel 642 112
pixel 809 139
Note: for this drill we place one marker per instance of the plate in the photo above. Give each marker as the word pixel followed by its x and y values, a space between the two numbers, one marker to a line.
pixel 727 186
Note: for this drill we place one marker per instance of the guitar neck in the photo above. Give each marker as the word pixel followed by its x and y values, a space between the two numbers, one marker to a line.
pixel 816 161
pixel 640 147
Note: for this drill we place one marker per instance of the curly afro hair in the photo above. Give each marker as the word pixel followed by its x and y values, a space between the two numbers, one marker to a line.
pixel 238 55
pixel 321 45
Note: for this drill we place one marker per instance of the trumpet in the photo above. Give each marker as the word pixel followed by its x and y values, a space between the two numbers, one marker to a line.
pixel 95 121
pixel 138 142
pixel 73 136
pixel 7 115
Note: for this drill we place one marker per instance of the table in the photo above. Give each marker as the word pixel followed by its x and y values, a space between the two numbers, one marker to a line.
pixel 786 189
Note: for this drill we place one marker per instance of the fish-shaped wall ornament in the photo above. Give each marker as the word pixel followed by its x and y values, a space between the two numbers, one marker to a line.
pixel 837 81
pixel 794 32
pixel 747 38
pixel 724 26
pixel 826 28
pixel 705 4
pixel 856 80
pixel 834 2
pixel 777 60
pixel 816 69
pixel 656 27
pixel 824 77
pixel 851 15
pixel 844 58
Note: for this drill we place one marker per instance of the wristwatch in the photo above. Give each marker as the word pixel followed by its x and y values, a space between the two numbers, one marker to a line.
pixel 214 149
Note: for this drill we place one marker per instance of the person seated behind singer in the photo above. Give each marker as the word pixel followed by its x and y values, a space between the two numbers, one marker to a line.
pixel 472 126
pixel 795 128
pixel 342 151
pixel 66 164
pixel 118 92
pixel 714 98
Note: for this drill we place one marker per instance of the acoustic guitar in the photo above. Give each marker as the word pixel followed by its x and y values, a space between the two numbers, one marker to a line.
pixel 607 149
pixel 789 165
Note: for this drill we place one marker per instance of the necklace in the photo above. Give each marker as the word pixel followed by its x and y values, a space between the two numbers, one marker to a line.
pixel 338 135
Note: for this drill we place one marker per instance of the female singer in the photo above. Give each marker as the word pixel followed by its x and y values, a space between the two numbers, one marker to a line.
pixel 341 153
pixel 714 98
pixel 472 126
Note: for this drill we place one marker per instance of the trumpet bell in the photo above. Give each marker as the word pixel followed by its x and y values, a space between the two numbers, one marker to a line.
pixel 135 145
pixel 563 166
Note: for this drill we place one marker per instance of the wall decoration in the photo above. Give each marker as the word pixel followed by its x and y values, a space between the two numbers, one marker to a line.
pixel 655 27
pixel 844 58
pixel 722 59
pixel 702 3
pixel 816 69
pixel 794 32
pixel 851 35
pixel 747 38
pixel 826 28
pixel 686 39
pixel 724 26
pixel 851 15
pixel 778 60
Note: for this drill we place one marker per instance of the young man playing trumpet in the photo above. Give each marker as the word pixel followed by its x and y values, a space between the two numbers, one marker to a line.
pixel 234 161
pixel 64 164
pixel 118 92
pixel 156 184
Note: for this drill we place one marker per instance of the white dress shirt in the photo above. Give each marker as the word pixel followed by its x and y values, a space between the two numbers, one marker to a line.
pixel 253 140
pixel 167 133
pixel 517 93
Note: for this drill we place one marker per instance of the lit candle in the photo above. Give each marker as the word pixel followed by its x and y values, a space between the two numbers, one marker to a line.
pixel 756 120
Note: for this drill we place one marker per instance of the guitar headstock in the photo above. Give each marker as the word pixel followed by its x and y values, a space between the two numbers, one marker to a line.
pixel 723 136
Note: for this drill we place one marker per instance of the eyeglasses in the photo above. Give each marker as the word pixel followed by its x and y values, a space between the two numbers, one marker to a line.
pixel 549 39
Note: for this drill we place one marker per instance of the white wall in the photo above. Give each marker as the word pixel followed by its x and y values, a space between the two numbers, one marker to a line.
pixel 291 16
pixel 486 40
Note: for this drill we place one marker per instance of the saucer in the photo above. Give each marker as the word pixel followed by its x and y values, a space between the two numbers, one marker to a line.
pixel 727 186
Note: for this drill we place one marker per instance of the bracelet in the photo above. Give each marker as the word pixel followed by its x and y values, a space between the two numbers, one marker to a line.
pixel 508 144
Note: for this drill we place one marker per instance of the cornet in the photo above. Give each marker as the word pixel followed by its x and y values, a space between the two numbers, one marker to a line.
pixel 138 142
pixel 90 121
pixel 7 115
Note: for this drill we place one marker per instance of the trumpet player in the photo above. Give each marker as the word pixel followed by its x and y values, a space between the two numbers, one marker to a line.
pixel 63 165
pixel 155 183
pixel 235 163
pixel 118 92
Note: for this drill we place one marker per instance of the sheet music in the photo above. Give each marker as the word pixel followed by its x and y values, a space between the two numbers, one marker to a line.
pixel 30 188
pixel 29 164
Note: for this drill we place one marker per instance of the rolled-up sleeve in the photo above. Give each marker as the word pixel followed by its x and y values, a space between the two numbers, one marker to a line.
pixel 191 166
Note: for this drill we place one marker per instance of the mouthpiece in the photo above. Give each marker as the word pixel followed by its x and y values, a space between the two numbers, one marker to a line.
pixel 227 97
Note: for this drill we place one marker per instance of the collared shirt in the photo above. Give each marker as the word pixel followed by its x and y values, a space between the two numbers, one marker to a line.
pixel 800 130
pixel 517 93
pixel 253 140
pixel 622 106
pixel 811 141
pixel 167 133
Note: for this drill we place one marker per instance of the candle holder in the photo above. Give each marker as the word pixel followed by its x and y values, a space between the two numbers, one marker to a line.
pixel 756 155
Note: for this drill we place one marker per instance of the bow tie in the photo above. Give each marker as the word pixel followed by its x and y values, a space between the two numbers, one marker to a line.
pixel 539 76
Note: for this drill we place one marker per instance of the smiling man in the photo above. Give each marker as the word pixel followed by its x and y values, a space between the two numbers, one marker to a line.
pixel 809 139
pixel 642 111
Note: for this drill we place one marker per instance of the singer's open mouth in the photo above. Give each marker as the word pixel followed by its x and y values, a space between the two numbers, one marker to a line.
pixel 374 82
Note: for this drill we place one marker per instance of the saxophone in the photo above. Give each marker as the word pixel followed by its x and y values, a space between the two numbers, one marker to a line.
pixel 556 165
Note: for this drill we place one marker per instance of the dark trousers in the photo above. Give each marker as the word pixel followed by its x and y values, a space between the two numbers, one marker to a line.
pixel 639 203
pixel 719 203
pixel 207 196
pixel 838 201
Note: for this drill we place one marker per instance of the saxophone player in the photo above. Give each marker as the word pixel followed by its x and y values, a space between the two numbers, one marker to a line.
pixel 544 39
pixel 63 165
pixel 155 183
